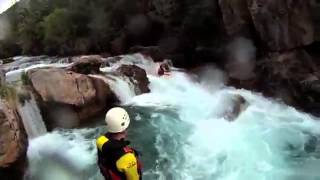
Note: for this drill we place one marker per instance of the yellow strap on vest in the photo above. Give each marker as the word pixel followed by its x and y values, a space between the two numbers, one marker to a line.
pixel 101 141
pixel 128 165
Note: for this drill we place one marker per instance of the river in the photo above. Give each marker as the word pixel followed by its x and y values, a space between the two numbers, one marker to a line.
pixel 181 132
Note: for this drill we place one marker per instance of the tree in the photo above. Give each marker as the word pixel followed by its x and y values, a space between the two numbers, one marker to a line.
pixel 58 31
pixel 100 27
pixel 201 21
pixel 30 34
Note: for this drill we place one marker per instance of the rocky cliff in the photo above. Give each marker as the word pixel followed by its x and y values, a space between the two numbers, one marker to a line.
pixel 284 33
pixel 13 143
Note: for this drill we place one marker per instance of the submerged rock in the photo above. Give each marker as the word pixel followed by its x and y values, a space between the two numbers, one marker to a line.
pixel 239 104
pixel 13 143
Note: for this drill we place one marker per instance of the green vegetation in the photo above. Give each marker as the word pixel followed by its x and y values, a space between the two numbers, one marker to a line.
pixel 72 27
pixel 25 79
pixel 8 92
pixel 62 27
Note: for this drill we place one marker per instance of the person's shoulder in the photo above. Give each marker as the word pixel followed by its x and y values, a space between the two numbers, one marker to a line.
pixel 108 144
pixel 101 140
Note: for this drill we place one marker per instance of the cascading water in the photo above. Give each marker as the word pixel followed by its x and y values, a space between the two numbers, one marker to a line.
pixel 122 86
pixel 31 117
pixel 180 130
pixel 15 75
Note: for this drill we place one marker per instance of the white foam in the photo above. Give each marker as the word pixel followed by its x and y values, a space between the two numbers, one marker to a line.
pixel 68 155
pixel 255 146
pixel 121 86
pixel 31 118
pixel 15 75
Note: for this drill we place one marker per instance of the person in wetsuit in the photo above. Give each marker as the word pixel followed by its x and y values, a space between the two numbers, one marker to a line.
pixel 116 160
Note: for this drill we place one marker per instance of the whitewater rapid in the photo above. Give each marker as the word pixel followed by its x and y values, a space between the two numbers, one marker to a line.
pixel 182 134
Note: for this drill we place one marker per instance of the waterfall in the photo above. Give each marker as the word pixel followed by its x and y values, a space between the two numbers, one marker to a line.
pixel 138 59
pixel 31 118
pixel 121 86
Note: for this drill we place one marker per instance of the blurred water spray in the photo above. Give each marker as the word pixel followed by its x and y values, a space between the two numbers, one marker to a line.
pixel 241 59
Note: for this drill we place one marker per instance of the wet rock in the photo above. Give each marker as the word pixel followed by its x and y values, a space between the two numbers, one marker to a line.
pixel 282 25
pixel 137 76
pixel 87 64
pixel 312 83
pixel 239 104
pixel 104 98
pixel 69 99
pixel 236 17
pixel 13 143
pixel 310 88
pixel 60 86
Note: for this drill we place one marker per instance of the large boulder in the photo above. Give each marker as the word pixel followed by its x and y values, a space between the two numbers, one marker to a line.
pixel 60 86
pixel 69 99
pixel 282 25
pixel 13 143
pixel 137 76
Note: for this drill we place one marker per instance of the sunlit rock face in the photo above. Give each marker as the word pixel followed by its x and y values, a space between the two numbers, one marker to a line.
pixel 13 142
pixel 69 98
pixel 57 85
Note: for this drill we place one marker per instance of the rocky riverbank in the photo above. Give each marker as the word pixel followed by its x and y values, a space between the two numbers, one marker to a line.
pixel 67 97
